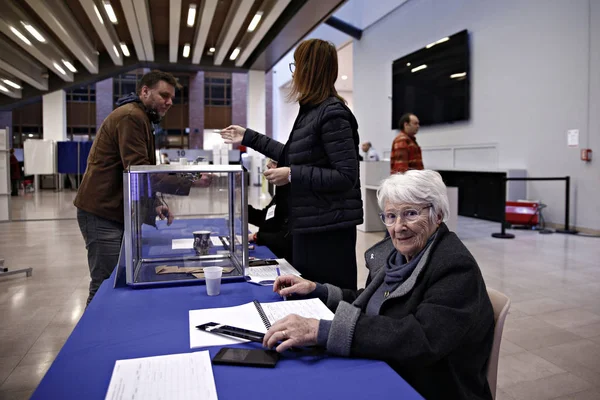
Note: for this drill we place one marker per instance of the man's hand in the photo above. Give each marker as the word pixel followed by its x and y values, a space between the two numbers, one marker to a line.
pixel 163 213
pixel 233 134
pixel 278 176
pixel 204 181
pixel 250 237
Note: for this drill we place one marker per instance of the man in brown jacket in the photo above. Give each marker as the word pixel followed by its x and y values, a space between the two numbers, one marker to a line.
pixel 125 138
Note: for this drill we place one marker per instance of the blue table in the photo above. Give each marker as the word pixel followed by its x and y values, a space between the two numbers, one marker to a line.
pixel 122 323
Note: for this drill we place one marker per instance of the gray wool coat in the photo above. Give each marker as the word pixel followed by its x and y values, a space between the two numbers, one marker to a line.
pixel 436 329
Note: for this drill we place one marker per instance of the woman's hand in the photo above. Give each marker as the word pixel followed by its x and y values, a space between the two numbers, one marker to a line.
pixel 250 237
pixel 278 176
pixel 204 181
pixel 287 285
pixel 292 330
pixel 233 134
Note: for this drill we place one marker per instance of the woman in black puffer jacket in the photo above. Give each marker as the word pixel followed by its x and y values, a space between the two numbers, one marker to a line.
pixel 318 168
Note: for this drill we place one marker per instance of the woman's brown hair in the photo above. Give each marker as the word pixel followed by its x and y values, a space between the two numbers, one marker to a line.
pixel 315 73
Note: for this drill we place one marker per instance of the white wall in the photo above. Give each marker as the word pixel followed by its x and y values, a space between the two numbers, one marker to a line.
pixel 532 66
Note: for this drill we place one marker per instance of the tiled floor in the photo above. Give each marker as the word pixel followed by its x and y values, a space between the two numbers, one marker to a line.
pixel 551 345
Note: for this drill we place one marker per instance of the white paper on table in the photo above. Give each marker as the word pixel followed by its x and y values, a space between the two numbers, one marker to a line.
pixel 178 244
pixel 267 274
pixel 176 376
pixel 245 316
pixel 216 241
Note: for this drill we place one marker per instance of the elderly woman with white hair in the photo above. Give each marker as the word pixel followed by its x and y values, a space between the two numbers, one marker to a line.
pixel 425 308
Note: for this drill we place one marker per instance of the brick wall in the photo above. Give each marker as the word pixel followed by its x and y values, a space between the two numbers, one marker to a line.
pixel 6 120
pixel 269 103
pixel 104 100
pixel 196 111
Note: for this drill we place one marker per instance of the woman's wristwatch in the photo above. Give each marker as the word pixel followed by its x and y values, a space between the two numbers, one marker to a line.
pixel 290 176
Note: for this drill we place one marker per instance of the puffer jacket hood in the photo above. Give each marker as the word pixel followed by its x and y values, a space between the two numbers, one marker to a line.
pixel 130 98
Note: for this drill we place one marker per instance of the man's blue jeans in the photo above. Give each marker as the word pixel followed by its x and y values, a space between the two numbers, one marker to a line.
pixel 103 243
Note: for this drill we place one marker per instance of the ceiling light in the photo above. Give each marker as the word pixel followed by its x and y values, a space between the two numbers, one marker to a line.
pixel 30 135
pixel 420 67
pixel 98 14
pixel 4 89
pixel 459 75
pixel 110 12
pixel 69 65
pixel 212 49
pixel 191 15
pixel 408 64
pixel 33 32
pixel 116 51
pixel 186 50
pixel 255 21
pixel 442 40
pixel 344 77
pixel 11 83
pixel 124 49
pixel 59 69
pixel 235 53
pixel 20 35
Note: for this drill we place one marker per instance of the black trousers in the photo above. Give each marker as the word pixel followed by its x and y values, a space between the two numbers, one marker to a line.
pixel 327 257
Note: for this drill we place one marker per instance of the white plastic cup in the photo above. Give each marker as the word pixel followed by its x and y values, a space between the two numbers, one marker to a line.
pixel 212 275
pixel 183 161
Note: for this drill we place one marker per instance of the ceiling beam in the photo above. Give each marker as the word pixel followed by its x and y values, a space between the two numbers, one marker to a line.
pixel 10 86
pixel 21 66
pixel 344 27
pixel 129 12
pixel 174 22
pixel 14 22
pixel 106 31
pixel 233 23
pixel 62 22
pixel 205 21
pixel 260 33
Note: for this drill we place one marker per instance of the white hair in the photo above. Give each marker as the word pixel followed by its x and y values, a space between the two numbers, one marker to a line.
pixel 416 187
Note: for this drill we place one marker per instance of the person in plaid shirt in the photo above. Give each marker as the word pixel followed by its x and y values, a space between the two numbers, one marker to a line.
pixel 406 153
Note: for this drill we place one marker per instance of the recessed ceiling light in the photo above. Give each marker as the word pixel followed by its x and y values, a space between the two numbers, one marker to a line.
pixel 234 53
pixel 110 12
pixel 408 64
pixel 98 14
pixel 344 77
pixel 33 32
pixel 116 51
pixel 442 40
pixel 459 75
pixel 191 15
pixel 212 49
pixel 11 83
pixel 186 50
pixel 59 68
pixel 124 49
pixel 4 89
pixel 30 135
pixel 20 35
pixel 69 65
pixel 420 67
pixel 255 21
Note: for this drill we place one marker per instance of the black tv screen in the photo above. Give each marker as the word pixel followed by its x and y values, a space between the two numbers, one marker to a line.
pixel 434 82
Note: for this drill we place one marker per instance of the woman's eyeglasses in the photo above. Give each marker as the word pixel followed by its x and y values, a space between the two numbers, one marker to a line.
pixel 292 67
pixel 408 215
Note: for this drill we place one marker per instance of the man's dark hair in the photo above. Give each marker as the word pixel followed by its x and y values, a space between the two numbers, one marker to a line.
pixel 153 77
pixel 405 119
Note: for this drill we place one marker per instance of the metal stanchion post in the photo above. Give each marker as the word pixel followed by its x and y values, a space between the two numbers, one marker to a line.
pixel 567 208
pixel 503 234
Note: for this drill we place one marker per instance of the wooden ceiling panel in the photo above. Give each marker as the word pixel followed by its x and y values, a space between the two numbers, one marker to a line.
pixel 159 17
pixel 86 25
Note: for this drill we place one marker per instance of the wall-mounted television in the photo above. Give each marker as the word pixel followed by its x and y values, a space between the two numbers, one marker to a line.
pixel 434 82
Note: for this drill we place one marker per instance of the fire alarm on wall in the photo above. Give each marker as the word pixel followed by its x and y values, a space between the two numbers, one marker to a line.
pixel 586 154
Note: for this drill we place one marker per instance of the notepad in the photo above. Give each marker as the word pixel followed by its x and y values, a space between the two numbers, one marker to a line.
pixel 178 244
pixel 254 316
pixel 176 376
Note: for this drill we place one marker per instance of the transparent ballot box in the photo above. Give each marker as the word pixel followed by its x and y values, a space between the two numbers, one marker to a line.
pixel 182 218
